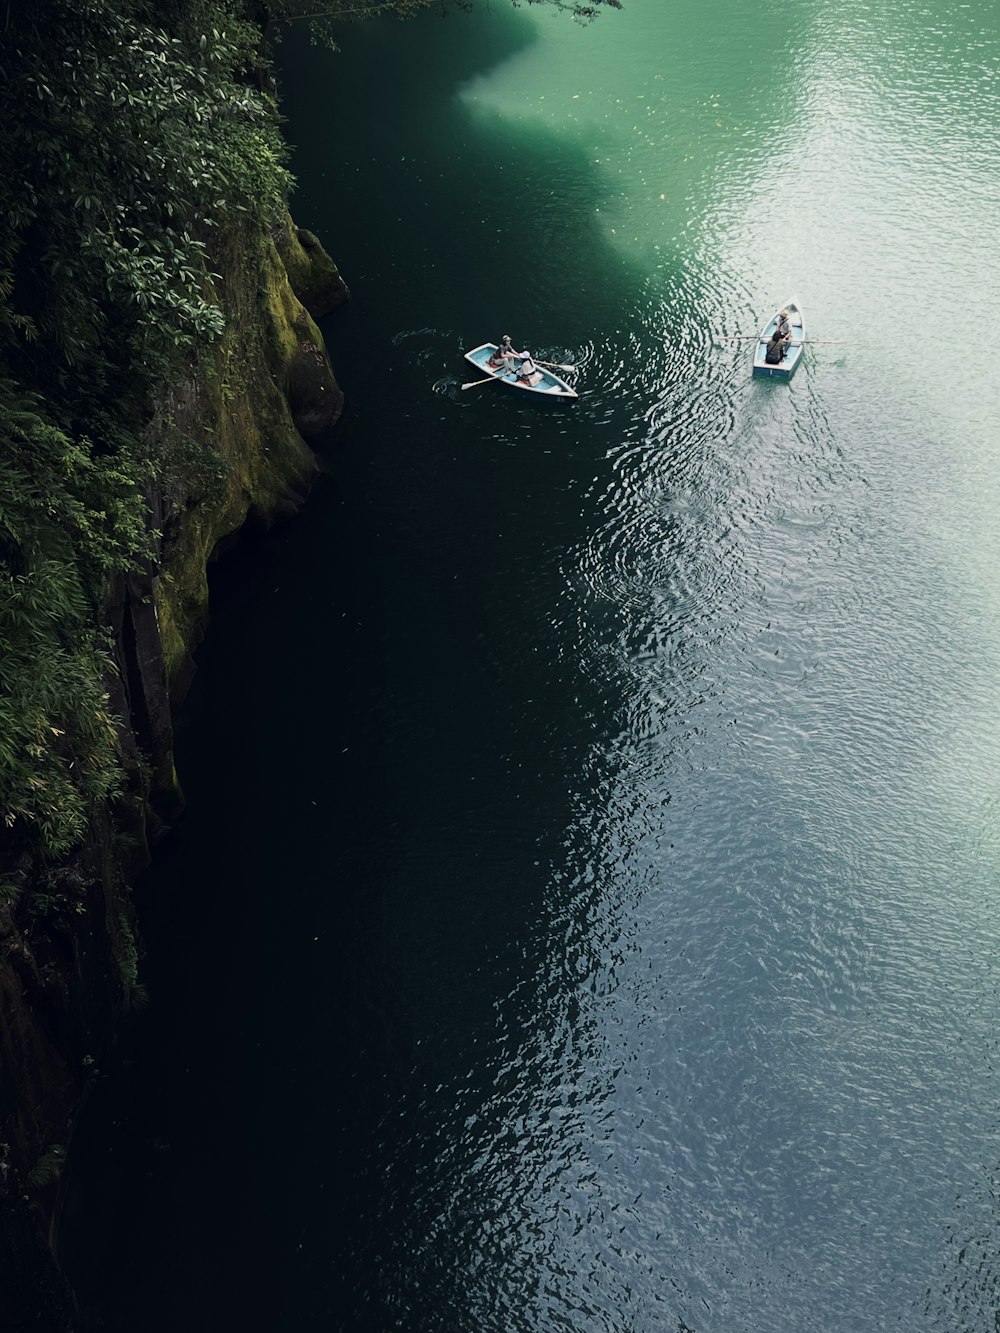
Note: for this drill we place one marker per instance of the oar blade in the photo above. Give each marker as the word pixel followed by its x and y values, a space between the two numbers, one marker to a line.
pixel 552 365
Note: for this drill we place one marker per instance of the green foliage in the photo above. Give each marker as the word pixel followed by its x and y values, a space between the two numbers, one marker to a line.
pixel 182 461
pixel 133 134
pixel 68 516
pixel 58 753
pixel 125 144
pixel 64 498
pixel 10 893
pixel 48 1168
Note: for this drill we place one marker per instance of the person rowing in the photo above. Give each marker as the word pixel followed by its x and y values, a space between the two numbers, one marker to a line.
pixel 775 349
pixel 504 355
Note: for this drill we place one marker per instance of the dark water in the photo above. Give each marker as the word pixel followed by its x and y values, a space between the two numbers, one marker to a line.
pixel 586 913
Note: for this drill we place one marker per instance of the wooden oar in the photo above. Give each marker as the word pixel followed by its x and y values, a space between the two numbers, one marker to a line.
pixel 552 365
pixel 795 342
pixel 472 383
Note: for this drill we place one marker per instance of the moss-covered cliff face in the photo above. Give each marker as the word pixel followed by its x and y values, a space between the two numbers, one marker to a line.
pixel 270 385
pixel 232 448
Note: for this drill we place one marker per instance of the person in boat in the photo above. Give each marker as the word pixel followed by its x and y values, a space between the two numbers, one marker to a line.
pixel 504 355
pixel 527 371
pixel 775 349
pixel 783 325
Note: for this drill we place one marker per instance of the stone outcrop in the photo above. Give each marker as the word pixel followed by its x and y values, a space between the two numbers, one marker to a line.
pixel 312 274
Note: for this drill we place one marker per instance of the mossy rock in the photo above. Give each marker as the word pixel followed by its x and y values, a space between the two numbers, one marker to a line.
pixel 312 274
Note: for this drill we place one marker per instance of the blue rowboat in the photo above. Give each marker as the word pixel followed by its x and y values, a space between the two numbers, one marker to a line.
pixel 785 368
pixel 544 382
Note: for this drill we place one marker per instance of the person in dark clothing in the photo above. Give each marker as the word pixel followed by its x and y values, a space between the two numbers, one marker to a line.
pixel 775 349
pixel 503 356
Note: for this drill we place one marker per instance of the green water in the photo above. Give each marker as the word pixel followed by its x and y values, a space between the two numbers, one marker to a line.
pixel 606 793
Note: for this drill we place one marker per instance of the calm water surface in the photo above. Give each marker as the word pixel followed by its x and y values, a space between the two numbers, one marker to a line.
pixel 586 915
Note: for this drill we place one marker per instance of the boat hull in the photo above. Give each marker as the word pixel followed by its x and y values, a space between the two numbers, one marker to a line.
pixel 787 367
pixel 548 386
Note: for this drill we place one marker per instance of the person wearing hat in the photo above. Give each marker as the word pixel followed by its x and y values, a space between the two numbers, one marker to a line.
pixel 780 339
pixel 527 370
pixel 504 355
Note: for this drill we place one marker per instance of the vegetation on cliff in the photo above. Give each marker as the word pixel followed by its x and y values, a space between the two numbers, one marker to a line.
pixel 160 366
pixel 134 135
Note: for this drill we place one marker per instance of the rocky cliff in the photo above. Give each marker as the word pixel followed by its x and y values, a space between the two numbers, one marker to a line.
pixel 233 448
